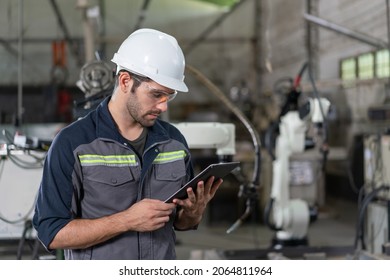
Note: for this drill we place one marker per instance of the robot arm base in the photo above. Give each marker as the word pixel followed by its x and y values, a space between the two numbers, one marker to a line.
pixel 294 221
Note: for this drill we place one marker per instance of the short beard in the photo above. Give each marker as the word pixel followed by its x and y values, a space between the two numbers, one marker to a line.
pixel 134 109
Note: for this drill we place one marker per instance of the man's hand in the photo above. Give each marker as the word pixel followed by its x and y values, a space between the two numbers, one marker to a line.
pixel 148 215
pixel 193 207
pixel 145 215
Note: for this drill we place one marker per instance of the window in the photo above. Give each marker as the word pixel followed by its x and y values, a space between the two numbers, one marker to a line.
pixel 348 69
pixel 224 3
pixel 382 64
pixel 366 66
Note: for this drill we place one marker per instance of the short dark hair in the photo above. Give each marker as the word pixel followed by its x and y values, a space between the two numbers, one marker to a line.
pixel 138 79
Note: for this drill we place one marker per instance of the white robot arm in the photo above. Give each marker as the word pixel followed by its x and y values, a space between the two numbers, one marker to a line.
pixel 291 216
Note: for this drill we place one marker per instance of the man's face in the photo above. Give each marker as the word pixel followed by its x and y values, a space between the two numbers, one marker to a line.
pixel 148 101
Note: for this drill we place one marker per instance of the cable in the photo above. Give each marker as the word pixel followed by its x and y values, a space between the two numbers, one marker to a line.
pixel 25 164
pixel 325 147
pixel 298 78
pixel 316 95
pixel 359 203
pixel 362 211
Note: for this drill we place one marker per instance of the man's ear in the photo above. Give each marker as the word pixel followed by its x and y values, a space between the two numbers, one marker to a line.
pixel 124 81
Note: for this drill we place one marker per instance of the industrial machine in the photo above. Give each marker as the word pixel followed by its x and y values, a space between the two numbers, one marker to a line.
pixel 291 216
pixel 372 235
pixel 96 82
pixel 22 153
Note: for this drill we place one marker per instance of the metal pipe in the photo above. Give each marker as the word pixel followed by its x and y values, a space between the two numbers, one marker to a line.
pixel 345 31
pixel 20 66
pixel 102 30
pixel 312 38
pixel 258 50
pixel 89 35
pixel 214 25
pixel 64 28
pixel 388 31
pixel 142 14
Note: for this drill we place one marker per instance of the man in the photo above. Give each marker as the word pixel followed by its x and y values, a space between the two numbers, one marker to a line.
pixel 106 175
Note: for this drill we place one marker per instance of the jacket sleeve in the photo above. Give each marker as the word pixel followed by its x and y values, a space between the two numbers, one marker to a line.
pixel 54 200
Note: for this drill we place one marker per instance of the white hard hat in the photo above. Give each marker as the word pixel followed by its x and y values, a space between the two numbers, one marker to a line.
pixel 153 54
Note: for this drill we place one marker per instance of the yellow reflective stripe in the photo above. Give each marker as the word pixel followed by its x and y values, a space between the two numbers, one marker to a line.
pixel 122 160
pixel 170 156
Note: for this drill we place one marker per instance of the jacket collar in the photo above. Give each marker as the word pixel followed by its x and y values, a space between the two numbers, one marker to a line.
pixel 106 127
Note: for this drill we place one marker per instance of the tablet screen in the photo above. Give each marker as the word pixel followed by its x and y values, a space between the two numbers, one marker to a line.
pixel 218 170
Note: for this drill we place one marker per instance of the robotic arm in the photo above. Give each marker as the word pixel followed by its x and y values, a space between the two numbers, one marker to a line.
pixel 291 217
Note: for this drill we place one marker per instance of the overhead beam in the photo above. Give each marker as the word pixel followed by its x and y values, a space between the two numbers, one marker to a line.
pixel 345 31
pixel 214 25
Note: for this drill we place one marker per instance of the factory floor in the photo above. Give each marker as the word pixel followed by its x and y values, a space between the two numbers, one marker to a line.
pixel 330 236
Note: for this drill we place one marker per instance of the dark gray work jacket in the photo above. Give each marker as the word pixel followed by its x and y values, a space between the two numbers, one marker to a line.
pixel 90 172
